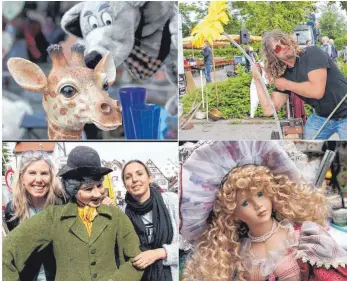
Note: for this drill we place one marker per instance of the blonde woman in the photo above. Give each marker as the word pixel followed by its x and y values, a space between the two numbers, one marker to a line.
pixel 263 225
pixel 35 187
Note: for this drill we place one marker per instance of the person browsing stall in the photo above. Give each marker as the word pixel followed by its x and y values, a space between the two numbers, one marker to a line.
pixel 311 75
pixel 90 241
pixel 155 218
pixel 208 60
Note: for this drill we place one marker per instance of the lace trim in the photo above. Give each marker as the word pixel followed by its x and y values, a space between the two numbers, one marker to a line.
pixel 318 263
pixel 289 246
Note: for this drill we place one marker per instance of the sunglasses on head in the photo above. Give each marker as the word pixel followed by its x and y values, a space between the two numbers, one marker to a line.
pixel 33 154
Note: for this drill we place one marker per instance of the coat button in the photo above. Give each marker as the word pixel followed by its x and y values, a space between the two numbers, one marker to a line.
pixel 94 275
pixel 93 263
pixel 92 251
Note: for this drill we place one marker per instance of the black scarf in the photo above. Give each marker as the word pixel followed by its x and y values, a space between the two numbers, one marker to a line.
pixel 162 231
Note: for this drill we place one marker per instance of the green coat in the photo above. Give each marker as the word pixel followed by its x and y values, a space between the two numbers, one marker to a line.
pixel 78 256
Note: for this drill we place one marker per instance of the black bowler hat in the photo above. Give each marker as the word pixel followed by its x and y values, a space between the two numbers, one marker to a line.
pixel 83 161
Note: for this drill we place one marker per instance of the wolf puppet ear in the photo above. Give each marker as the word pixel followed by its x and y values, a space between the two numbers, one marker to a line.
pixel 71 20
pixel 137 4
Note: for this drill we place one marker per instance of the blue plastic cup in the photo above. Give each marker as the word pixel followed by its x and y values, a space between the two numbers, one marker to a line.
pixel 130 96
pixel 146 120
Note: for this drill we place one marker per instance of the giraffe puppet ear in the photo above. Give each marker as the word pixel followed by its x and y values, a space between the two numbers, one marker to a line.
pixel 106 65
pixel 27 74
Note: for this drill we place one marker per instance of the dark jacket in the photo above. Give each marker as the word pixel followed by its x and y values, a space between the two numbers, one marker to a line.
pixel 207 53
pixel 78 256
pixel 37 258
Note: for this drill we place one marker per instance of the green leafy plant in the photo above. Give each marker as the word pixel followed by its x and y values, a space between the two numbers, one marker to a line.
pixel 227 51
pixel 234 97
pixel 340 42
pixel 343 67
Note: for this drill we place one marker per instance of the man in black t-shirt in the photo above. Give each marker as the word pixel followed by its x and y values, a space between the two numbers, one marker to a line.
pixel 311 75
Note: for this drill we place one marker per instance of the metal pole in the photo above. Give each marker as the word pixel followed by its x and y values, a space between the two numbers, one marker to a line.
pixel 288 109
pixel 206 105
pixel 202 89
pixel 329 117
pixel 261 81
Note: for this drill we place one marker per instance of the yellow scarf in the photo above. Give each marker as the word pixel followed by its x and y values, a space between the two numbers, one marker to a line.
pixel 87 215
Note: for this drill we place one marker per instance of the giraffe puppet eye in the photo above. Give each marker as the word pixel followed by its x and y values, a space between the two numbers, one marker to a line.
pixel 105 86
pixel 68 91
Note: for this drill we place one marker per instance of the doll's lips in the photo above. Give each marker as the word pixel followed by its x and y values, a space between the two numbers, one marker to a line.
pixel 262 213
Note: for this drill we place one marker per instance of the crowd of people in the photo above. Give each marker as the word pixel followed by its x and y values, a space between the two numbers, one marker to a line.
pixel 329 47
pixel 68 216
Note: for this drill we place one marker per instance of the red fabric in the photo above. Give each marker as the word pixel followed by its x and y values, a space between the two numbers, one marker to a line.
pixel 30 30
pixel 342 271
pixel 331 274
pixel 320 273
pixel 298 107
pixel 304 270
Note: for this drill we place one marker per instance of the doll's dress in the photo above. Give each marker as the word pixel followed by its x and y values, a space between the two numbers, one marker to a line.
pixel 309 242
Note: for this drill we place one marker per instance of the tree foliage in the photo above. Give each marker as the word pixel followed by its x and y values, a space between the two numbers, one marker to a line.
pixel 332 23
pixel 259 17
pixel 191 14
pixel 340 42
pixel 5 157
pixel 344 5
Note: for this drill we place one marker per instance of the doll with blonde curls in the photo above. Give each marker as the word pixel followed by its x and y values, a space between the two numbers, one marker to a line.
pixel 266 227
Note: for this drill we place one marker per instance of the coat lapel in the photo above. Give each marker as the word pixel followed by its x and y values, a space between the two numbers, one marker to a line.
pixel 77 227
pixel 100 222
pixel 80 230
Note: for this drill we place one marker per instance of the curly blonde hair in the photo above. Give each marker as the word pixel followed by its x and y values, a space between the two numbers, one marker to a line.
pixel 21 199
pixel 216 255
pixel 273 66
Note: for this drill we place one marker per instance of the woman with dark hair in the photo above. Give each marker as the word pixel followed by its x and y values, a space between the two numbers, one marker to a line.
pixel 91 241
pixel 155 218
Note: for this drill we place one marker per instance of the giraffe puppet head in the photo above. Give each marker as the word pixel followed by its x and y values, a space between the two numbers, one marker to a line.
pixel 73 94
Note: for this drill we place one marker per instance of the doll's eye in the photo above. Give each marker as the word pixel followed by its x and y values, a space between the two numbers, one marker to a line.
pixel 260 194
pixel 106 18
pixel 93 22
pixel 68 91
pixel 244 204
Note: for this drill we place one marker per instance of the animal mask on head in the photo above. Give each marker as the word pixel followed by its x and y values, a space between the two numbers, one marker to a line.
pixel 141 34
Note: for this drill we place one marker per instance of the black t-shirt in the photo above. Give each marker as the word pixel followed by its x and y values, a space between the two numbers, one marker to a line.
pixel 336 87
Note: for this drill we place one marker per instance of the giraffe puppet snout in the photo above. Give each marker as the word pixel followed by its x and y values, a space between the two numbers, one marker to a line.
pixel 107 114
pixel 106 108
